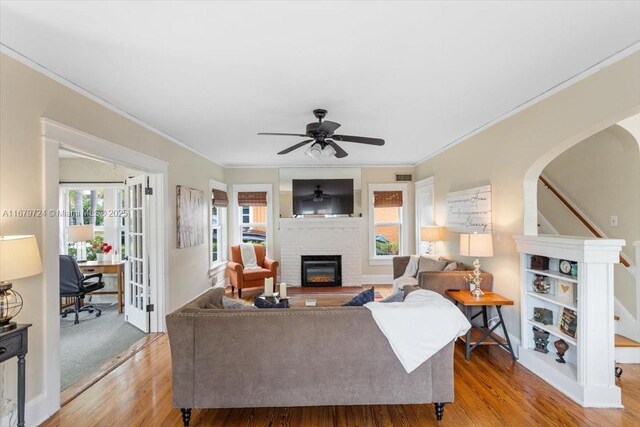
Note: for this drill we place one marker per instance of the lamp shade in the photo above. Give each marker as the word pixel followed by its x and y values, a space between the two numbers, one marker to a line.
pixel 19 257
pixel 431 234
pixel 80 233
pixel 476 245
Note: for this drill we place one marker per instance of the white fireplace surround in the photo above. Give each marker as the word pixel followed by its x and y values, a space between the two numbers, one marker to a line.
pixel 321 236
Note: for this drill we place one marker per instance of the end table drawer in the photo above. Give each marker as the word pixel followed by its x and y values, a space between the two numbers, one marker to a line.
pixel 10 346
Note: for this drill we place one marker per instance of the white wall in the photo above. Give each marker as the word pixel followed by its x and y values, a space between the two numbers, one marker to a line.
pixel 511 154
pixel 25 97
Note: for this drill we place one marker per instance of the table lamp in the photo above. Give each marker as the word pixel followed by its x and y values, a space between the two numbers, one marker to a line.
pixel 431 234
pixel 78 234
pixel 476 245
pixel 19 258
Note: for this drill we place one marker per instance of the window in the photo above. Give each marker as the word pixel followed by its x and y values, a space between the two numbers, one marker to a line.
pixel 387 222
pixel 219 203
pixel 252 218
pixel 86 204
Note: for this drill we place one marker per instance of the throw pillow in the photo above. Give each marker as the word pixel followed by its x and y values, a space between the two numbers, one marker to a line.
pixel 452 266
pixel 361 299
pixel 397 297
pixel 233 304
pixel 408 289
pixel 429 264
pixel 412 266
pixel 263 303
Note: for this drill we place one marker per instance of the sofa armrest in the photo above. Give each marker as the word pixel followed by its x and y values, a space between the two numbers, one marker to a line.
pixel 441 281
pixel 235 273
pixel 400 265
pixel 272 265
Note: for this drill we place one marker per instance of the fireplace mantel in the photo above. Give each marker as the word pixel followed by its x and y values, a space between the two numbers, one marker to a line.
pixel 321 236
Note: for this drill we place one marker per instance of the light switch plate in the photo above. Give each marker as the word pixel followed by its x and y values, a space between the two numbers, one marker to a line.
pixel 614 220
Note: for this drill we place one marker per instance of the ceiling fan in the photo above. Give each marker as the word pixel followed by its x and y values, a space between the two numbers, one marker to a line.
pixel 323 138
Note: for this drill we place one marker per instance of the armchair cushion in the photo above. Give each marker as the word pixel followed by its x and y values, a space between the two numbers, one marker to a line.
pixel 260 273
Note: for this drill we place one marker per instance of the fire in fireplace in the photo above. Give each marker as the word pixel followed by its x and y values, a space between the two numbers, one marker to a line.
pixel 321 270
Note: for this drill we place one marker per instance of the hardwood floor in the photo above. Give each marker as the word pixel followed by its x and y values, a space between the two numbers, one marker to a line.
pixel 490 390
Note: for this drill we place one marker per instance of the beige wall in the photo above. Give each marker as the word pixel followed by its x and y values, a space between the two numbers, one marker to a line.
pixel 513 152
pixel 25 97
pixel 87 170
pixel 601 177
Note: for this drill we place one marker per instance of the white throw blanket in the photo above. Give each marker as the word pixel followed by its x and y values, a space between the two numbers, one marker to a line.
pixel 248 254
pixel 420 326
pixel 409 275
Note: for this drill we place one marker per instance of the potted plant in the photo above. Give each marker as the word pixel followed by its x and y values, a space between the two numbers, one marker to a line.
pixel 102 250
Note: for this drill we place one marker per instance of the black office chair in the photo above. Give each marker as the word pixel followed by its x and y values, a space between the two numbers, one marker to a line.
pixel 74 284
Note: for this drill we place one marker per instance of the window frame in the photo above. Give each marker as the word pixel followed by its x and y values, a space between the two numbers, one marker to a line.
pixel 221 263
pixel 403 247
pixel 237 212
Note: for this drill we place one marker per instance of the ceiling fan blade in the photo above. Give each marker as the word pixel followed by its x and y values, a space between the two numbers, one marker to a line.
pixel 328 127
pixel 340 153
pixel 296 146
pixel 359 139
pixel 283 134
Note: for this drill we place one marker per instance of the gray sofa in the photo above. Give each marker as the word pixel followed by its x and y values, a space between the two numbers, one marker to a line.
pixel 441 281
pixel 293 357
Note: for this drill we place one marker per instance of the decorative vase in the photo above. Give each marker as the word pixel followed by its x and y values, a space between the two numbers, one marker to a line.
pixel 562 347
pixel 541 285
pixel 100 257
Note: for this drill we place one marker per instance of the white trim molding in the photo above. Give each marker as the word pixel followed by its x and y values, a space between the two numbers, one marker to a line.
pixel 404 228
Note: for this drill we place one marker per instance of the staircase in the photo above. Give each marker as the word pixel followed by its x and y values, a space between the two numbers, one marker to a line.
pixel 627 327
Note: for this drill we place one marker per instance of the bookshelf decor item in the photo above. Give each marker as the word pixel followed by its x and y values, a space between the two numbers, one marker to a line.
pixel 580 306
pixel 543 315
pixel 541 285
pixel 569 322
pixel 539 262
pixel 566 291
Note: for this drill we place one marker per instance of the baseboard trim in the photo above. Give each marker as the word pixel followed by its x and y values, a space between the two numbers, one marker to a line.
pixel 379 279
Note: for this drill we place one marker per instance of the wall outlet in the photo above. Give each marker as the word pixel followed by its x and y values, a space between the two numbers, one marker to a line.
pixel 614 220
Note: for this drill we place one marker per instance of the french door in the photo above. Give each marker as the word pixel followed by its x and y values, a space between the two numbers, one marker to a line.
pixel 137 286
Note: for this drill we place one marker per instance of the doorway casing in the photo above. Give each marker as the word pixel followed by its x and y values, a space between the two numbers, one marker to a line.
pixel 55 136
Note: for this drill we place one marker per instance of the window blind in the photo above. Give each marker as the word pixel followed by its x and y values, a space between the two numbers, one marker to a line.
pixel 252 198
pixel 219 198
pixel 387 199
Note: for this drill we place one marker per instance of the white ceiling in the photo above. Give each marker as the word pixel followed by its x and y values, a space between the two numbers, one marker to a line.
pixel 420 75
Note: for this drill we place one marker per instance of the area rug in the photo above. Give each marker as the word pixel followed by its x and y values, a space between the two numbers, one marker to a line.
pixel 92 342
pixel 333 290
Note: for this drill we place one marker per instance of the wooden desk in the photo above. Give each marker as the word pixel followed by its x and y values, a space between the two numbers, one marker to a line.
pixel 106 267
pixel 478 335
pixel 14 343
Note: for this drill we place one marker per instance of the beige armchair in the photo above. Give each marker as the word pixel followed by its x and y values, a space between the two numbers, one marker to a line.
pixel 242 279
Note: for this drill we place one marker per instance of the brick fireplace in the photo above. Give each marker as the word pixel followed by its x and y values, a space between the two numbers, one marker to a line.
pixel 321 236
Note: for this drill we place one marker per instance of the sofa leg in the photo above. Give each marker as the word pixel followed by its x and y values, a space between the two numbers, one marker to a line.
pixel 439 411
pixel 239 293
pixel 186 416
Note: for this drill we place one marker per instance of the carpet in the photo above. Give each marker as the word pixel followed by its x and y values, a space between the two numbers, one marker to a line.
pixel 92 342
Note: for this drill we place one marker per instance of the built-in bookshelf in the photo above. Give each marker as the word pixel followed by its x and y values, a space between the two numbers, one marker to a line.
pixel 586 296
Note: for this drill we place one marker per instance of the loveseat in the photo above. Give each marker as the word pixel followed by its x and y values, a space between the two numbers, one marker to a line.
pixel 308 356
pixel 441 281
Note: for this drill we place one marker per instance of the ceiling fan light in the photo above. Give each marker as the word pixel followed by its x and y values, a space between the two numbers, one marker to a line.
pixel 314 151
pixel 328 152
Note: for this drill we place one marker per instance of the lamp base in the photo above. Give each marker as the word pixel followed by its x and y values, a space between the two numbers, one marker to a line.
pixel 477 292
pixel 8 326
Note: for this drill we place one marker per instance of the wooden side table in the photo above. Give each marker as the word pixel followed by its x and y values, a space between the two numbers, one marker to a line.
pixel 14 343
pixel 479 335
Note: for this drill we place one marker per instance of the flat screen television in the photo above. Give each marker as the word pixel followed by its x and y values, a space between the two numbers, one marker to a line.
pixel 322 196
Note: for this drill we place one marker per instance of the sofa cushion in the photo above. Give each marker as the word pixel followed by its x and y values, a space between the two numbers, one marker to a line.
pixel 429 264
pixel 257 274
pixel 452 266
pixel 234 304
pixel 263 303
pixel 395 297
pixel 209 299
pixel 403 281
pixel 361 299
